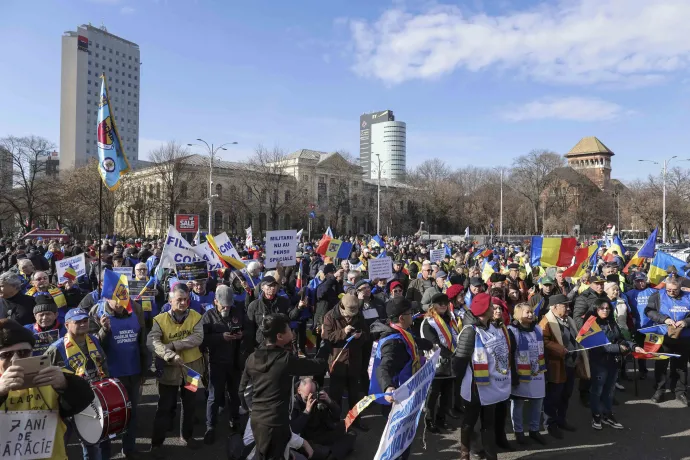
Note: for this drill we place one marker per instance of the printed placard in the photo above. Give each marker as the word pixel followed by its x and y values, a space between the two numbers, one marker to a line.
pixel 380 268
pixel 77 262
pixel 127 271
pixel 192 271
pixel 281 246
pixel 436 255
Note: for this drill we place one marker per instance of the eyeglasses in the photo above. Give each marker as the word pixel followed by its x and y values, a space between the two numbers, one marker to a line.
pixel 397 290
pixel 8 355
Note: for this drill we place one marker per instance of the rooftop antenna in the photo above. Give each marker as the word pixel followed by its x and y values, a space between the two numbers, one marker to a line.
pixel 103 26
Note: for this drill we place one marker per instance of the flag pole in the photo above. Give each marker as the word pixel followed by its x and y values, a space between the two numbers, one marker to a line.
pixel 100 230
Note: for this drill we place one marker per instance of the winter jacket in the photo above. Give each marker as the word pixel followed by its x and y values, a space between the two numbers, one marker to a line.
pixel 326 298
pixel 444 368
pixel 555 350
pixel 222 351
pixel 394 356
pixel 652 310
pixel 255 315
pixel 350 361
pixel 586 303
pixel 415 291
pixel 609 353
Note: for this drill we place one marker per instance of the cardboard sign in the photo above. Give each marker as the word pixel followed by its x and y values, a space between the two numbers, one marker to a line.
pixel 30 433
pixel 380 268
pixel 127 271
pixel 192 271
pixel 77 262
pixel 281 246
pixel 187 223
pixel 436 255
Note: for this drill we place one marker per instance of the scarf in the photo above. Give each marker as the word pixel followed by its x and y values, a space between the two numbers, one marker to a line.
pixel 524 366
pixel 76 359
pixel 448 337
pixel 54 292
pixel 411 347
pixel 480 360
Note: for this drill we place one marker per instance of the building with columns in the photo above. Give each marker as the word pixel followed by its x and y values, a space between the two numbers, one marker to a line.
pixel 269 196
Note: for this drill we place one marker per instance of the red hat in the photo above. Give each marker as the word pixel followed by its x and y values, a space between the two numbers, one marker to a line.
pixel 394 284
pixel 453 291
pixel 480 303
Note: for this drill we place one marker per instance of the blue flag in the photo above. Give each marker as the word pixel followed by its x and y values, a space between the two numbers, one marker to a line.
pixel 647 250
pixel 344 250
pixel 112 162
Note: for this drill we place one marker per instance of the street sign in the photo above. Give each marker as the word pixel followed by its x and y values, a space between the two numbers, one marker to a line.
pixel 312 215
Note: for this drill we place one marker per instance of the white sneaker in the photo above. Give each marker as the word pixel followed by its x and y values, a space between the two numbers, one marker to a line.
pixel 620 387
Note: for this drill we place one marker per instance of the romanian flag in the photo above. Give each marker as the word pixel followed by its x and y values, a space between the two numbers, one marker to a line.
pixel 582 259
pixel 115 287
pixel 311 339
pixel 616 245
pixel 645 252
pixel 484 253
pixel 376 242
pixel 227 260
pixel 112 162
pixel 192 380
pixel 591 335
pixel 552 252
pixel 333 248
pixel 298 281
pixel 662 261
pixel 652 344
pixel 359 408
pixel 322 247
pixel 70 273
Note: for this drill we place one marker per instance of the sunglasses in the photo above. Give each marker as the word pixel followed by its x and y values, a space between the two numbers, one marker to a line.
pixel 21 354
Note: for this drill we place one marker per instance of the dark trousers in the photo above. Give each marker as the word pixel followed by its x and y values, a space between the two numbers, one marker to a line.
pixel 271 441
pixel 439 400
pixel 167 401
pixel 132 384
pixel 604 374
pixel 474 411
pixel 331 442
pixel 338 384
pixel 299 337
pixel 678 378
pixel 500 419
pixel 222 376
pixel 557 397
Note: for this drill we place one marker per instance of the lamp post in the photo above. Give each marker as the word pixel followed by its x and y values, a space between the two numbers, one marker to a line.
pixel 212 155
pixel 378 195
pixel 664 173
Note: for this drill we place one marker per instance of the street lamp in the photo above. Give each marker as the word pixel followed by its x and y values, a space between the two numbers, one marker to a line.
pixel 378 194
pixel 664 172
pixel 212 154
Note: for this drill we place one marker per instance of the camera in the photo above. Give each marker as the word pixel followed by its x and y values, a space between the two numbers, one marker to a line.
pixel 320 405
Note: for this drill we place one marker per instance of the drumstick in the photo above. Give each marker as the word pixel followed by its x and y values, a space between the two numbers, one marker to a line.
pixel 87 415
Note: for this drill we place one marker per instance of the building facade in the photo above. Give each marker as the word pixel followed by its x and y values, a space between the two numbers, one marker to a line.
pixel 87 53
pixel 279 195
pixel 366 123
pixel 388 150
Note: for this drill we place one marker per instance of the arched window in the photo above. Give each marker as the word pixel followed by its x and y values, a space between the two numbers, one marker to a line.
pixel 264 196
pixel 233 191
pixel 183 190
pixel 287 197
pixel 219 190
pixel 218 220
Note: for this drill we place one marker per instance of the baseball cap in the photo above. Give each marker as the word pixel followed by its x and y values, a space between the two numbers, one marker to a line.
pixel 76 314
pixel 640 276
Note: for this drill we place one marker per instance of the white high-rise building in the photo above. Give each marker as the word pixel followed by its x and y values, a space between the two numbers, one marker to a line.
pixel 388 149
pixel 86 54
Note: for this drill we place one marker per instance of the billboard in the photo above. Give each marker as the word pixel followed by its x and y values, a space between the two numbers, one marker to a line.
pixel 82 43
pixel 187 223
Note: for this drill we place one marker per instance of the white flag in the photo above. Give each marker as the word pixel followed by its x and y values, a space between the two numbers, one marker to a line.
pixel 248 243
pixel 299 235
pixel 176 250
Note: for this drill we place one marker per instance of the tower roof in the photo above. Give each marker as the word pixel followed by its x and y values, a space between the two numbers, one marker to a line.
pixel 588 146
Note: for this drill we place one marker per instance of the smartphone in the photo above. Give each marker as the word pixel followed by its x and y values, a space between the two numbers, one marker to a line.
pixel 32 366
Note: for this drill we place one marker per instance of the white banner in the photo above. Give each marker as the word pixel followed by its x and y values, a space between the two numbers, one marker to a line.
pixel 248 242
pixel 281 246
pixel 77 262
pixel 225 246
pixel 436 255
pixel 204 252
pixel 127 271
pixel 176 250
pixel 380 268
pixel 409 401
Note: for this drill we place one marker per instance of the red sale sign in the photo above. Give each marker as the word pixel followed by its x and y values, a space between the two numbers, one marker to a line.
pixel 187 223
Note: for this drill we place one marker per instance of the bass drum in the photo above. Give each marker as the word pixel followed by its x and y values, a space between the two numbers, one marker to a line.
pixel 108 414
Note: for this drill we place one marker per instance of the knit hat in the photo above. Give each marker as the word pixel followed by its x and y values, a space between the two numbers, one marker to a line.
pixel 45 303
pixel 480 303
pixel 12 333
pixel 397 306
pixel 453 291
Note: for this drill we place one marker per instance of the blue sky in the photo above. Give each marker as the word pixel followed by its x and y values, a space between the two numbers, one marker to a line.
pixel 478 82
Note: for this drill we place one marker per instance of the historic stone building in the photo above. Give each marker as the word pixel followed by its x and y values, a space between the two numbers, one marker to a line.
pixel 272 195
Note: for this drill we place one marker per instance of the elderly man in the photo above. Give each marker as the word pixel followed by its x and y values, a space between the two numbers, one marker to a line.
pixel 123 337
pixel 417 287
pixel 269 302
pixel 671 308
pixel 80 353
pixel 475 286
pixel 47 329
pixel 437 288
pixel 66 297
pixel 25 268
pixel 54 397
pixel 541 296
pixel 223 338
pixel 202 295
pixel 587 300
pixel 14 304
pixel 175 339
pixel 250 278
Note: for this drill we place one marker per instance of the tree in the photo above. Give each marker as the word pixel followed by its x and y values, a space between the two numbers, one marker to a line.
pixel 30 190
pixel 531 177
pixel 174 176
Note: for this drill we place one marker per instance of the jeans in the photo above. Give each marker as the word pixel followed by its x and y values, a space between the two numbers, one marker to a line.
pixel 604 375
pixel 167 401
pixel 132 384
pixel 220 376
pixel 533 415
pixel 98 452
pixel 557 398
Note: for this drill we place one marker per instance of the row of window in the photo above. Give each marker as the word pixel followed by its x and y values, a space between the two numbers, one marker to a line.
pixel 117 53
pixel 117 71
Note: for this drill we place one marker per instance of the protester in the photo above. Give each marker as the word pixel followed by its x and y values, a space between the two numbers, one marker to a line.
pixel 13 303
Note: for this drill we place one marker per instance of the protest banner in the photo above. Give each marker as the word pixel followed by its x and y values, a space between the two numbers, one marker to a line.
pixel 127 271
pixel 281 246
pixel 176 250
pixel 78 263
pixel 192 271
pixel 380 268
pixel 137 286
pixel 402 421
pixel 436 255
pixel 225 246
pixel 204 252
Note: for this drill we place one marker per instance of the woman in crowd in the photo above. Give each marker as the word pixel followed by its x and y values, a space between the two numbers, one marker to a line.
pixel 499 320
pixel 621 312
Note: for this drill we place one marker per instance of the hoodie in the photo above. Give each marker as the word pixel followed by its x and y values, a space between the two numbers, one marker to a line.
pixel 272 370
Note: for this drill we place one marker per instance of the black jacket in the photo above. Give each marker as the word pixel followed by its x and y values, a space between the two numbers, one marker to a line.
pixel 609 352
pixel 326 298
pixel 317 421
pixel 19 307
pixel 376 304
pixel 586 303
pixel 444 369
pixel 255 315
pixel 272 371
pixel 465 346
pixel 394 357
pixel 221 351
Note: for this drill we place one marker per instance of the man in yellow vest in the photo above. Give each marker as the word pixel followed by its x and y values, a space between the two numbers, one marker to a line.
pixel 175 339
pixel 53 397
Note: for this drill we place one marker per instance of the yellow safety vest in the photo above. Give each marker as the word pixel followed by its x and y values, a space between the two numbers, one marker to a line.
pixel 35 399
pixel 173 331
